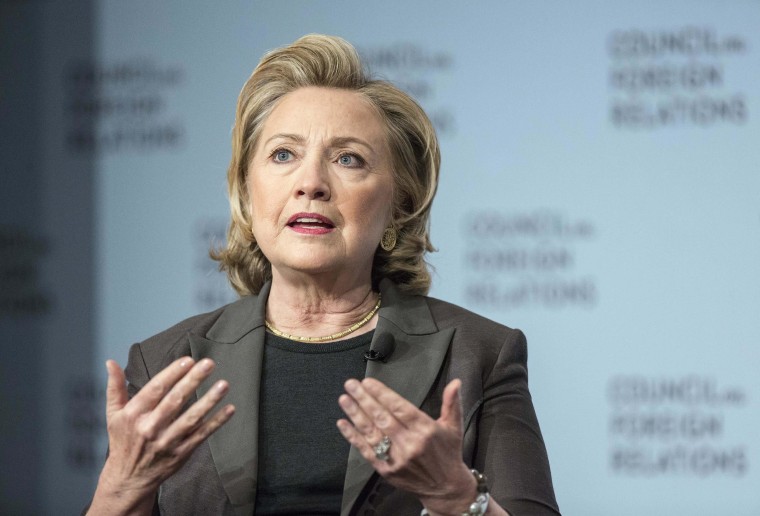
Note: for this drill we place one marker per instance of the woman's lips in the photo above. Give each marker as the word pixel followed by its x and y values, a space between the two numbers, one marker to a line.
pixel 310 224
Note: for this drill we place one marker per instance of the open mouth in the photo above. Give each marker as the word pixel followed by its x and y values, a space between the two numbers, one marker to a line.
pixel 310 223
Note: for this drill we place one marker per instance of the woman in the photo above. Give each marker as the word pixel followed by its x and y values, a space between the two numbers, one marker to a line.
pixel 331 182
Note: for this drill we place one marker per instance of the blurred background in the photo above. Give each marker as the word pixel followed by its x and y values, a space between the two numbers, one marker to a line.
pixel 600 190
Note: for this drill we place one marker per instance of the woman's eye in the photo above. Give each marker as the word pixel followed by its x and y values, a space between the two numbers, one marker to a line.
pixel 282 156
pixel 350 160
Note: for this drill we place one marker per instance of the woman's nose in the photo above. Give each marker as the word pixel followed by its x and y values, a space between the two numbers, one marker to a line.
pixel 313 182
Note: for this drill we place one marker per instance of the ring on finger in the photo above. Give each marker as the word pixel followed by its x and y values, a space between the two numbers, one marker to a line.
pixel 381 449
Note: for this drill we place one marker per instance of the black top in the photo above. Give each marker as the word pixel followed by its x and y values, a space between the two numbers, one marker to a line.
pixel 302 455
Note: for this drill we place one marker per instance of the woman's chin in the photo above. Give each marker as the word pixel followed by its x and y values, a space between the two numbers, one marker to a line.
pixel 314 266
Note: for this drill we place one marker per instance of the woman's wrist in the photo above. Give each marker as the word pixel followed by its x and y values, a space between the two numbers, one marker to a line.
pixel 455 501
pixel 114 497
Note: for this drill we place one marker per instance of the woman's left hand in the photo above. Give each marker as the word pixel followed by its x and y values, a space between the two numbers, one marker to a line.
pixel 425 456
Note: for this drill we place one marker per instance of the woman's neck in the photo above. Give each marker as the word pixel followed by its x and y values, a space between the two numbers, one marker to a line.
pixel 316 309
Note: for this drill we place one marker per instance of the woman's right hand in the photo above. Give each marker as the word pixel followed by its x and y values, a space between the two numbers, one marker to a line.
pixel 149 437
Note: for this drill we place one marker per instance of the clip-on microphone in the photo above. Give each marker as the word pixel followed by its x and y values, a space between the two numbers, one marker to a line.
pixel 382 350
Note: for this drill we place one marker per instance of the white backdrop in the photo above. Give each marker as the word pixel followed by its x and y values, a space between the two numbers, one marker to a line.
pixel 600 190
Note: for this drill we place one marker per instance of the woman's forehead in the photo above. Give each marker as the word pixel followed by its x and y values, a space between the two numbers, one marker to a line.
pixel 315 112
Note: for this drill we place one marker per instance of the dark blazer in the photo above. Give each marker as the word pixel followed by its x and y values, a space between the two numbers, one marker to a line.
pixel 435 343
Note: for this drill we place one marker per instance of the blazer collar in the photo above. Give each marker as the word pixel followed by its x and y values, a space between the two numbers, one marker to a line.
pixel 240 318
pixel 236 343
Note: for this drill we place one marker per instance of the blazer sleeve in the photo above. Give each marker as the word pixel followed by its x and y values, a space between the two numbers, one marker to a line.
pixel 510 449
pixel 136 371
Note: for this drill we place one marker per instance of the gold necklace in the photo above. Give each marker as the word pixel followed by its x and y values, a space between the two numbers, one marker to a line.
pixel 334 336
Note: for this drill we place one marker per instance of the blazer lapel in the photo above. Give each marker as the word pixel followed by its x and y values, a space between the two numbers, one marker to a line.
pixel 236 343
pixel 420 349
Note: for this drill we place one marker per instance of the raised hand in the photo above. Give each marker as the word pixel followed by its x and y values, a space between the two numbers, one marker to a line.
pixel 425 454
pixel 150 437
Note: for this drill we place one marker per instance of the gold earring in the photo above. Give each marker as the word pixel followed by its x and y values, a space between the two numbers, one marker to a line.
pixel 388 242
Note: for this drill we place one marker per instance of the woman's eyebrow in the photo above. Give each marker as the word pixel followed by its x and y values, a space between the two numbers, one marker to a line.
pixel 343 140
pixel 286 136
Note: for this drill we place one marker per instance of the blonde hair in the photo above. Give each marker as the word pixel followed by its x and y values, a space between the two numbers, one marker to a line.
pixel 331 62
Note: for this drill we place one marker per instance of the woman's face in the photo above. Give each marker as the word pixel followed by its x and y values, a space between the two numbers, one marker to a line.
pixel 321 184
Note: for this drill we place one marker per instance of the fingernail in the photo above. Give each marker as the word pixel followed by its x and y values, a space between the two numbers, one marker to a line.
pixel 368 384
pixel 221 386
pixel 352 385
pixel 184 363
pixel 207 365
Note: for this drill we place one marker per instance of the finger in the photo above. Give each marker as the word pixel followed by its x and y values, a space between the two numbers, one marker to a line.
pixel 357 440
pixel 362 422
pixel 171 404
pixel 451 406
pixel 405 412
pixel 153 391
pixel 205 430
pixel 116 389
pixel 193 417
pixel 379 415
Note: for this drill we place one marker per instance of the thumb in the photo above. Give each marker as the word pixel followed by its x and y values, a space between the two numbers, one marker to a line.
pixel 116 390
pixel 451 406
